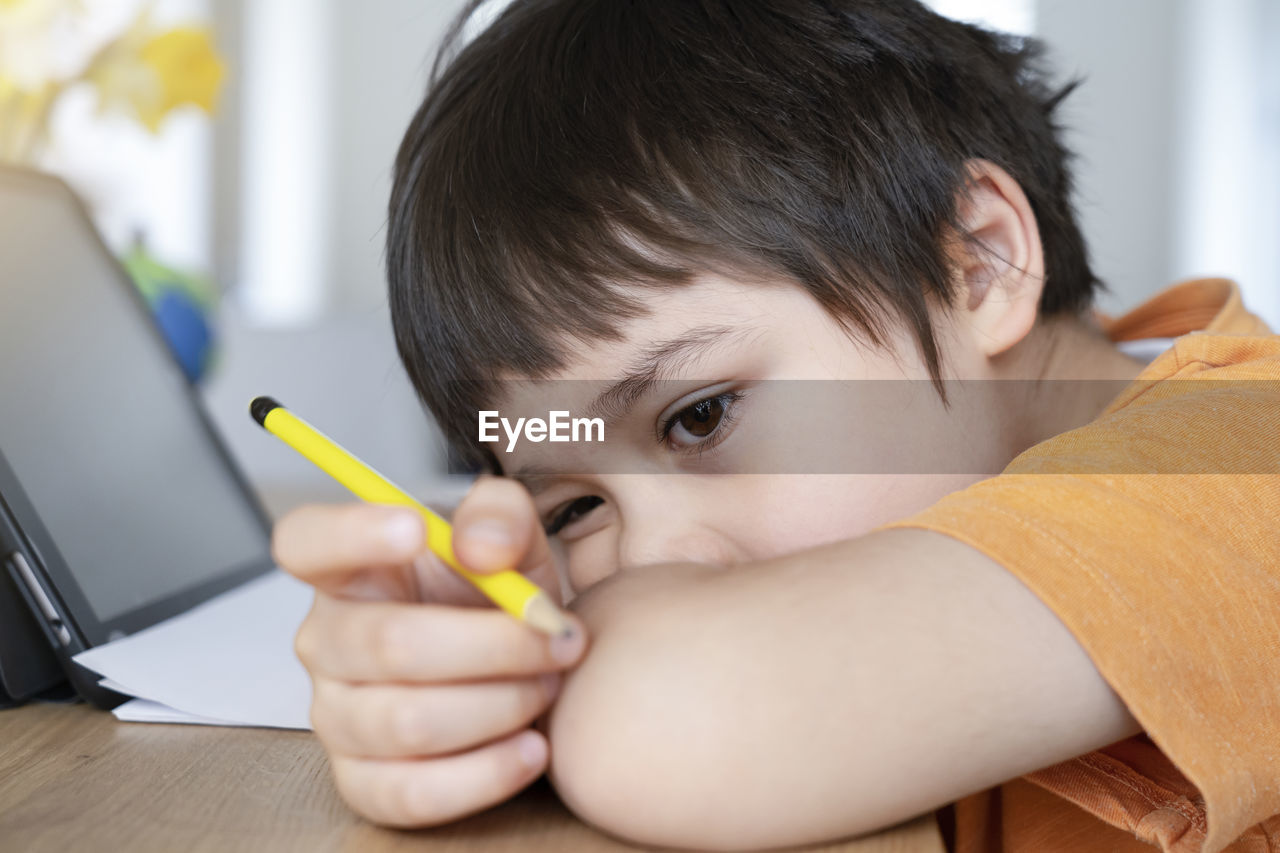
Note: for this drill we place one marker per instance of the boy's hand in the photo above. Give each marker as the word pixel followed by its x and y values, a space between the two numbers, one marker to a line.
pixel 423 690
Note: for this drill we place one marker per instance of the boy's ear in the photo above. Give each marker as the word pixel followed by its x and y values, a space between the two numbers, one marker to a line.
pixel 1001 266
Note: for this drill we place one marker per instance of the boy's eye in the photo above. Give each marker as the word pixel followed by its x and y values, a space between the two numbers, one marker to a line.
pixel 702 418
pixel 704 422
pixel 571 512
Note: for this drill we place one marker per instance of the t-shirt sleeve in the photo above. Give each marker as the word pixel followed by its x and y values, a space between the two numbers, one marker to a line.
pixel 1170 581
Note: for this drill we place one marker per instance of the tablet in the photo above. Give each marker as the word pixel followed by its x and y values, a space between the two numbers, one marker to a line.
pixel 120 506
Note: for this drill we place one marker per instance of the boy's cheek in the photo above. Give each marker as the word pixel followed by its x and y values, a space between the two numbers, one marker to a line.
pixel 732 521
pixel 811 510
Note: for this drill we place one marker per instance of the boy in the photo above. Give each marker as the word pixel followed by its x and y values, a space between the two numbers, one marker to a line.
pixel 697 218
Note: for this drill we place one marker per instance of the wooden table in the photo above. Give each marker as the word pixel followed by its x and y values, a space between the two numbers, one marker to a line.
pixel 72 778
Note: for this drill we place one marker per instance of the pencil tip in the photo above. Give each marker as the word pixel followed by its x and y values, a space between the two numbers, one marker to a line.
pixel 542 614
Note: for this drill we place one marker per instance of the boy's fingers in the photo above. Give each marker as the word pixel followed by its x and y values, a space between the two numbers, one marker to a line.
pixel 401 721
pixel 438 790
pixel 394 641
pixel 325 544
pixel 496 527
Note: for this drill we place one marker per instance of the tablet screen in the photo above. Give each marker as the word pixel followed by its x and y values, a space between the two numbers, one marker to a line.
pixel 96 421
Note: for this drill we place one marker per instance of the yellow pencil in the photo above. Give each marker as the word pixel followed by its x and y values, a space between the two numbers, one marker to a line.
pixel 510 590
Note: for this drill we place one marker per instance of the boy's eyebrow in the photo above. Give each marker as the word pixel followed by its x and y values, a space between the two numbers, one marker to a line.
pixel 659 360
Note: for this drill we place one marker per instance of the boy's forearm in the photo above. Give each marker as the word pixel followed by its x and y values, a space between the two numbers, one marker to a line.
pixel 824 694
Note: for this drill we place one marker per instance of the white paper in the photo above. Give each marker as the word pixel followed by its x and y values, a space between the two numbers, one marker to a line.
pixel 146 711
pixel 229 661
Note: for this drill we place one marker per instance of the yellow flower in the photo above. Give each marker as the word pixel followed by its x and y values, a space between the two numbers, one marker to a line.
pixel 188 69
pixel 150 74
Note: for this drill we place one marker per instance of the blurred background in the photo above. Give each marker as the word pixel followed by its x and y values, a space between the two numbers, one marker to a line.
pixel 237 154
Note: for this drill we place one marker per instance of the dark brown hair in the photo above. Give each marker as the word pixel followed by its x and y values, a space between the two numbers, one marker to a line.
pixel 578 151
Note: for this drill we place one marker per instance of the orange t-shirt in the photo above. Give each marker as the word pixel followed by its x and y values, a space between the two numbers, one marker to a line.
pixel 1169 581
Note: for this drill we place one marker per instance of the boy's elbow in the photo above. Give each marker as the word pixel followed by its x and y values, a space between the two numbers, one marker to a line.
pixel 596 772
pixel 688 726
pixel 635 750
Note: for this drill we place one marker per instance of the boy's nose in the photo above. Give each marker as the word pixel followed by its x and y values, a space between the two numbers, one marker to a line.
pixel 663 528
pixel 675 518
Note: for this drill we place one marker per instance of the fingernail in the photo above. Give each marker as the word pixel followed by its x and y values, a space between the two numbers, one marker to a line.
pixel 488 531
pixel 565 648
pixel 532 749
pixel 403 531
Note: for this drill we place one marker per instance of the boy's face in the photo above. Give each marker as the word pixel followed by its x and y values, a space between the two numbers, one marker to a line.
pixel 721 462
